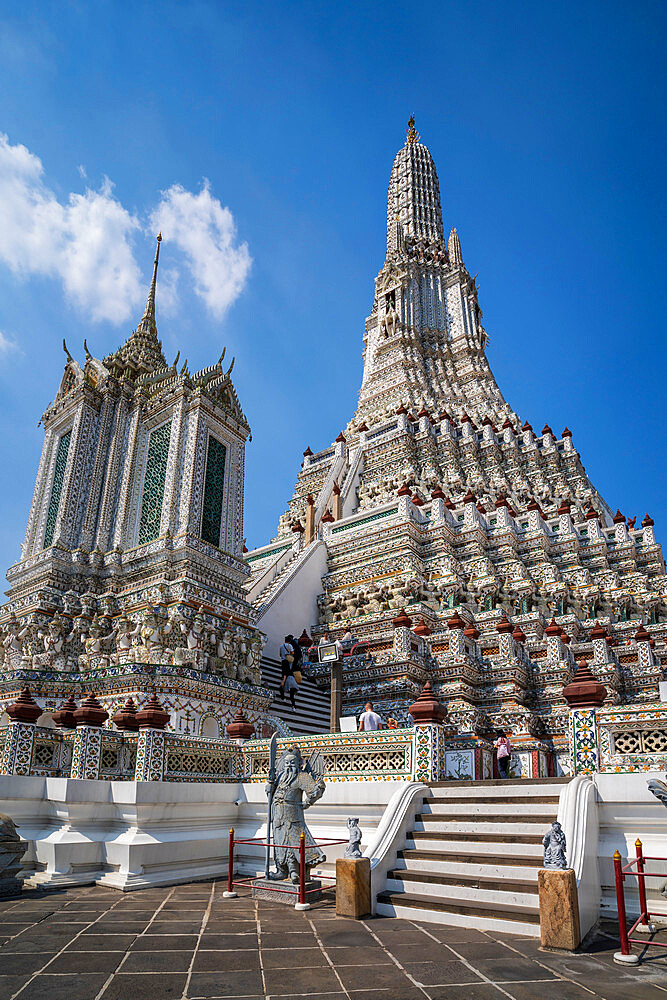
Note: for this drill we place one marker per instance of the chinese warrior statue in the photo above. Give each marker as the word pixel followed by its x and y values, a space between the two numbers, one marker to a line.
pixel 554 847
pixel 293 789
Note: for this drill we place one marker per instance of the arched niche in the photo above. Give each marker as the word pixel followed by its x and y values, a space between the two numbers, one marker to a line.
pixel 210 727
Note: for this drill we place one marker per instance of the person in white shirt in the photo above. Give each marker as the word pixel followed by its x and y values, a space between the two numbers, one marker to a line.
pixel 369 719
pixel 326 640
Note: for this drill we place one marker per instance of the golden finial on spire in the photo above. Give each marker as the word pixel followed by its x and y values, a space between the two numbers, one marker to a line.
pixel 413 135
pixel 159 237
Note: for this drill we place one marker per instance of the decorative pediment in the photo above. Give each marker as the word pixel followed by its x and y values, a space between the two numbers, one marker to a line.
pixel 94 370
pixel 73 376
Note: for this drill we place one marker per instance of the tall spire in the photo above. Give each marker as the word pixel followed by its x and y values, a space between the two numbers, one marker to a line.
pixel 147 321
pixel 413 199
pixel 142 351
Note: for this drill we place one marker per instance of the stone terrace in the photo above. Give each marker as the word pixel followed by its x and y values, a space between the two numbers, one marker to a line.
pixel 187 941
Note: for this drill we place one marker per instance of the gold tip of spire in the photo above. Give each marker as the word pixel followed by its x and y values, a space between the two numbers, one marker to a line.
pixel 413 135
pixel 159 237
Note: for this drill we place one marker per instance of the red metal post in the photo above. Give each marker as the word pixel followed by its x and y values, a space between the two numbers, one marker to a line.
pixel 641 880
pixel 302 868
pixel 620 902
pixel 230 876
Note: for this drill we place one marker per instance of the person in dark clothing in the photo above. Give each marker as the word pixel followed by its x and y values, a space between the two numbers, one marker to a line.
pixel 286 665
pixel 296 668
pixel 298 652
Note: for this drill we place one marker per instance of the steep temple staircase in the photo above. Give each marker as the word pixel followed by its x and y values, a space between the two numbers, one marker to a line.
pixel 473 855
pixel 312 712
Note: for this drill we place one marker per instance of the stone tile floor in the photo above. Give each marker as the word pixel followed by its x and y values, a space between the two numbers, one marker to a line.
pixel 188 942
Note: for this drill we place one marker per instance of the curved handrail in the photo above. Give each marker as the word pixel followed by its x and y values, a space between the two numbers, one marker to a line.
pixel 578 816
pixel 390 834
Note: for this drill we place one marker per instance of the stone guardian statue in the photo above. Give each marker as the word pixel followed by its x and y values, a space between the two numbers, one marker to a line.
pixel 12 849
pixel 353 849
pixel 293 790
pixel 554 848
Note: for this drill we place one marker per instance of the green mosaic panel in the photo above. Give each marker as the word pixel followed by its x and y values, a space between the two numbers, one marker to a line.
pixel 365 520
pixel 57 487
pixel 213 491
pixel 271 552
pixel 156 473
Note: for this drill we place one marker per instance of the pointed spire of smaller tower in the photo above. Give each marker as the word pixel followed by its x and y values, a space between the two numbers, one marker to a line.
pixel 142 352
pixel 454 247
pixel 147 321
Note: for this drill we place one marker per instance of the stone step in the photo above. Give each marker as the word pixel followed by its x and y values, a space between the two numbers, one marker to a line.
pixel 467 805
pixel 312 712
pixel 462 883
pixel 504 825
pixel 491 849
pixel 464 866
pixel 472 837
pixel 511 919
pixel 464 893
pixel 504 787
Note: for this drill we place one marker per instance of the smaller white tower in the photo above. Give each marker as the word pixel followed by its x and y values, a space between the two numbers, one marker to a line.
pixel 141 471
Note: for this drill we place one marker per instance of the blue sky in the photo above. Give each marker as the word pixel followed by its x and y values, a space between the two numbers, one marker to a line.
pixel 264 134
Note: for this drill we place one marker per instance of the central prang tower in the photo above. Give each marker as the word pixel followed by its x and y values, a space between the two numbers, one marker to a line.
pixel 424 341
pixel 461 546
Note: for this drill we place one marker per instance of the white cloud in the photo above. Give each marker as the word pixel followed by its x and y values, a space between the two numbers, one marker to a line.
pixel 200 226
pixel 82 171
pixel 7 345
pixel 87 241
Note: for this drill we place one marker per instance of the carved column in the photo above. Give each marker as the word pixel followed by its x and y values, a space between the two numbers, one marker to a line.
pixel 151 755
pixel 429 744
pixel 584 694
pixel 87 751
pixel 20 734
pixel 310 520
pixel 19 742
pixel 151 747
pixel 337 503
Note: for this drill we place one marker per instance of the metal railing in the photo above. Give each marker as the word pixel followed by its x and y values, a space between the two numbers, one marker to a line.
pixel 637 868
pixel 301 903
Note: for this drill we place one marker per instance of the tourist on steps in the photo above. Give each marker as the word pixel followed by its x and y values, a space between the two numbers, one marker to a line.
pixel 326 640
pixel 503 754
pixel 291 687
pixel 298 659
pixel 369 720
pixel 286 654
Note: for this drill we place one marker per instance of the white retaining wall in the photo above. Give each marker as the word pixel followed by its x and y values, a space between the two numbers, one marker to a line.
pixel 129 835
pixel 627 811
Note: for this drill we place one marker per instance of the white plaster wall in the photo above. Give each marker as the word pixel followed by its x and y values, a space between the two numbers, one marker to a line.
pixel 129 835
pixel 295 607
pixel 120 833
pixel 327 819
pixel 627 811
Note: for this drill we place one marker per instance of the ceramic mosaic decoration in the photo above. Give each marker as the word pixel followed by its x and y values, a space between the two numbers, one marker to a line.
pixel 464 547
pixel 131 574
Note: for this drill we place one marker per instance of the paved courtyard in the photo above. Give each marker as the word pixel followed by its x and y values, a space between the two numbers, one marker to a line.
pixel 187 941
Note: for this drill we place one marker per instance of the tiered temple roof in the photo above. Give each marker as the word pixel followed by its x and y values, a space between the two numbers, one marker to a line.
pixel 448 500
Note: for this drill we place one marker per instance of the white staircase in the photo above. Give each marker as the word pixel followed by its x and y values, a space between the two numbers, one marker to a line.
pixel 312 712
pixel 473 855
